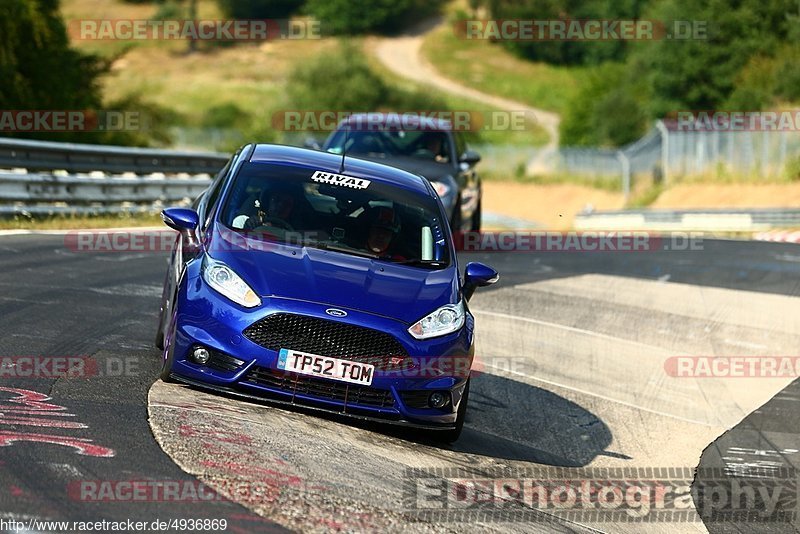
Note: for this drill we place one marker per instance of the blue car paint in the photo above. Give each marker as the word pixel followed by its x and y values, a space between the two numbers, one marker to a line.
pixel 301 280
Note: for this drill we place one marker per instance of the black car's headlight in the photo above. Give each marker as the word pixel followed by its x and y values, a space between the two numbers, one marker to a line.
pixel 225 280
pixel 442 189
pixel 445 320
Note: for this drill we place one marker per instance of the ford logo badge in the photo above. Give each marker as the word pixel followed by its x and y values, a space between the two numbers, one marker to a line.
pixel 335 312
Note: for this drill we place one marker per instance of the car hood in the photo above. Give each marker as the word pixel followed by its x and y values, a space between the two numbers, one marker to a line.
pixel 430 169
pixel 335 279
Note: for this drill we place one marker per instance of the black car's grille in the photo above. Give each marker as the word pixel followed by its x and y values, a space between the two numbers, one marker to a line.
pixel 329 338
pixel 349 394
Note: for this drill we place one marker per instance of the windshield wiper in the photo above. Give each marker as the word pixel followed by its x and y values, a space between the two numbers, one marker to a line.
pixel 415 261
pixel 325 245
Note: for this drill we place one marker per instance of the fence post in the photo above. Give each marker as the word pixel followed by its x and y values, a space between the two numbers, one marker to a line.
pixel 625 163
pixel 662 128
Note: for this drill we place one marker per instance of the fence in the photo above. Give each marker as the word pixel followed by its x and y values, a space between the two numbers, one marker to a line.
pixel 48 178
pixel 666 153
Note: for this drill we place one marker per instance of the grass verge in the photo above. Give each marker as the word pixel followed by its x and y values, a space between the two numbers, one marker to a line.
pixel 490 68
pixel 67 222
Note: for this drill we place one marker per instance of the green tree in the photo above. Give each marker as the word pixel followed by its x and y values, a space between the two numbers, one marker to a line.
pixel 702 74
pixel 39 71
pixel 563 51
pixel 38 68
pixel 609 110
pixel 353 17
pixel 259 9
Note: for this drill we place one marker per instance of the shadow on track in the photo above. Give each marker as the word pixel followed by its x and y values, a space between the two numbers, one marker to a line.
pixel 758 455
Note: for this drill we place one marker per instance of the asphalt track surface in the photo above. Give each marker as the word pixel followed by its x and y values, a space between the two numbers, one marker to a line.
pixel 571 351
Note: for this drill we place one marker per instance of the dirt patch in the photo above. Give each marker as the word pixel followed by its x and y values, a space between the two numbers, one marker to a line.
pixel 553 206
pixel 688 196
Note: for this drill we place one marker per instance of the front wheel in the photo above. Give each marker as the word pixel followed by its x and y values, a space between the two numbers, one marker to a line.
pixel 168 354
pixel 449 436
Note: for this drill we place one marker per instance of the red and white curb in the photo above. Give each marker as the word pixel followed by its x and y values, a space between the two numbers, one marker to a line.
pixel 782 236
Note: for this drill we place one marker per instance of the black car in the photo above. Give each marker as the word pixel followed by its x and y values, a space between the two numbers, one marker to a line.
pixel 429 148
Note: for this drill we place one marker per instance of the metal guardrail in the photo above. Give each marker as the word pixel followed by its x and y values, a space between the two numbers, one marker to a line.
pixel 46 156
pixel 117 179
pixel 737 220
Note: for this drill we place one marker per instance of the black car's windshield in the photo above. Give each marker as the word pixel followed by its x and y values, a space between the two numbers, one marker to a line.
pixel 314 208
pixel 428 145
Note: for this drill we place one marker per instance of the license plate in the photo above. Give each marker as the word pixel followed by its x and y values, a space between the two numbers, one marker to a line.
pixel 325 367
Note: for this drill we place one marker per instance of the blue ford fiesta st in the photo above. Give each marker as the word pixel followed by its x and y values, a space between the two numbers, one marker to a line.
pixel 308 278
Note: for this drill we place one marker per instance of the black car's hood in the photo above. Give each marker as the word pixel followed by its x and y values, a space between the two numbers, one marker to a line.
pixel 432 170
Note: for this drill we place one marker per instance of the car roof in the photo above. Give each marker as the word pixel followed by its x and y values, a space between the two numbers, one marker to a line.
pixel 390 120
pixel 328 162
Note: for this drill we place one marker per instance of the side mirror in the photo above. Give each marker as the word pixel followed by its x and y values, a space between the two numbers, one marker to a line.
pixel 470 157
pixel 478 275
pixel 181 219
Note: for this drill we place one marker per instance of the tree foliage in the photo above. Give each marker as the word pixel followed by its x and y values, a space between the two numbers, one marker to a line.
pixel 353 17
pixel 568 52
pixel 38 68
pixel 259 9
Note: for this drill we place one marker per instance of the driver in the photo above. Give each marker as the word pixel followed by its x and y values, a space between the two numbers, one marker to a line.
pixel 275 205
pixel 434 143
pixel 383 227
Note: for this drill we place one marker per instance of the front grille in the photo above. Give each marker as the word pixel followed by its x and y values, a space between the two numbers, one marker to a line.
pixel 329 338
pixel 349 394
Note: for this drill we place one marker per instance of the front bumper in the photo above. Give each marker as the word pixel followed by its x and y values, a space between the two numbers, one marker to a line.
pixel 246 369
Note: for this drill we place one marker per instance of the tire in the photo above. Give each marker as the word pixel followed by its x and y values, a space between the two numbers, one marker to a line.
pixel 476 218
pixel 167 356
pixel 449 436
pixel 159 341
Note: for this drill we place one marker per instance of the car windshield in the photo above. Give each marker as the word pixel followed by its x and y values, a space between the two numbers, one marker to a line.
pixel 427 145
pixel 311 208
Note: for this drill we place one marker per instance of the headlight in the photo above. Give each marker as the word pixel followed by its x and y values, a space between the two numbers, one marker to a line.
pixel 441 188
pixel 445 320
pixel 222 278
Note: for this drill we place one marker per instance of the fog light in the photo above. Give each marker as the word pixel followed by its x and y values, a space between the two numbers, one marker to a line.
pixel 438 399
pixel 201 355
